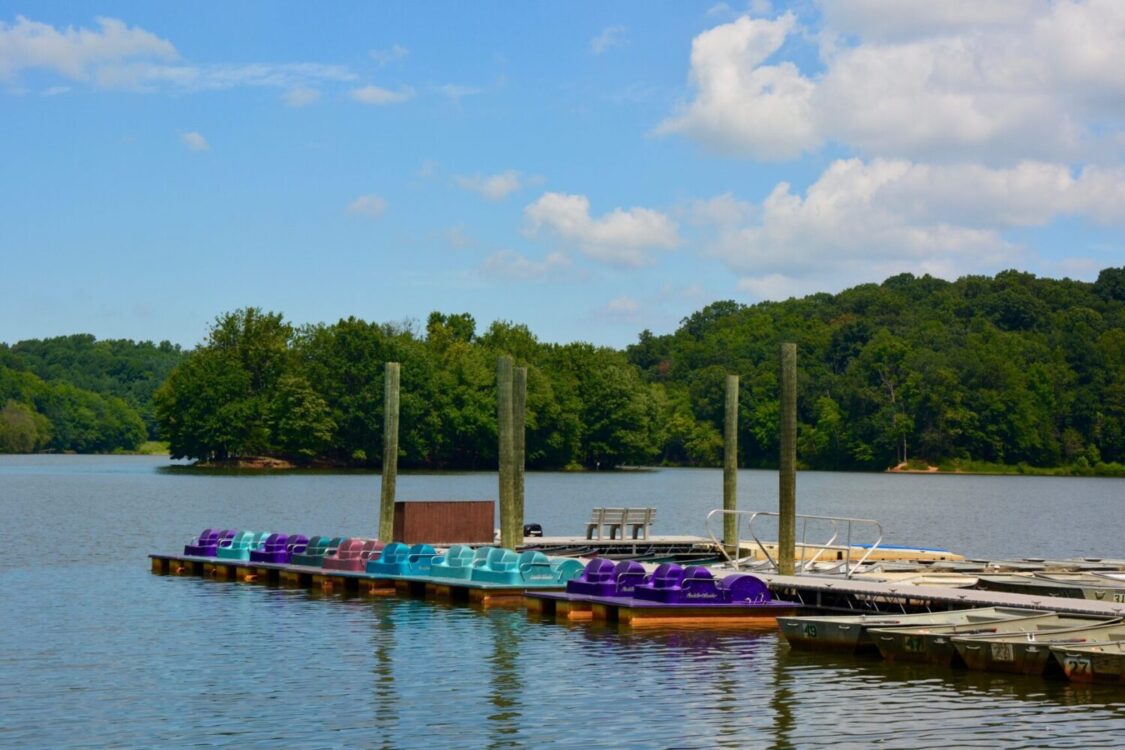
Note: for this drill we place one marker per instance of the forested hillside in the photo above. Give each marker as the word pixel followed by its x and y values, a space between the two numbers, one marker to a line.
pixel 1011 369
pixel 75 393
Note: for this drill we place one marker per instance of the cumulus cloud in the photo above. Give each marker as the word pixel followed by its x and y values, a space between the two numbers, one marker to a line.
pixel 742 105
pixel 74 53
pixel 195 141
pixel 963 80
pixel 610 36
pixel 493 187
pixel 623 237
pixel 862 220
pixel 380 96
pixel 370 206
pixel 301 96
pixel 508 264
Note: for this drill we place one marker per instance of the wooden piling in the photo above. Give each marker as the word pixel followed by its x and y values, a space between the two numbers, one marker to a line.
pixel 787 475
pixel 730 467
pixel 506 438
pixel 519 443
pixel 390 452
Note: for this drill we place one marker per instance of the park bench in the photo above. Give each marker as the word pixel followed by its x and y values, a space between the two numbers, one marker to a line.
pixel 613 521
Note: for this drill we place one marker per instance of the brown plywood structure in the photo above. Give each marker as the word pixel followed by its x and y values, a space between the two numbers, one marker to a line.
pixel 445 521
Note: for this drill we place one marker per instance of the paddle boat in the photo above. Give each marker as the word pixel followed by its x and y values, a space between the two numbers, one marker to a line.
pixel 279 549
pixel 601 578
pixel 238 546
pixel 532 568
pixel 675 595
pixel 458 562
pixel 1030 652
pixel 316 550
pixel 397 559
pixel 353 554
pixel 207 542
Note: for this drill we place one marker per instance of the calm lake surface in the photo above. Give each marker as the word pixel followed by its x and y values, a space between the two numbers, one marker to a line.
pixel 96 652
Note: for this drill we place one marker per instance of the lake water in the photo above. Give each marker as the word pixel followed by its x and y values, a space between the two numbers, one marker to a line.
pixel 96 652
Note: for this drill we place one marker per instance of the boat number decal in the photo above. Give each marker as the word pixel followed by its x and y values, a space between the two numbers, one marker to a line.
pixel 1119 598
pixel 1002 652
pixel 810 630
pixel 1076 664
pixel 914 644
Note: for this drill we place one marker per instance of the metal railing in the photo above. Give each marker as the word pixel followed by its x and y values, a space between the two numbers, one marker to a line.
pixel 838 525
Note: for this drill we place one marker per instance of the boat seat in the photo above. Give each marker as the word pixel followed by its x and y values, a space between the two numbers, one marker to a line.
pixel 204 545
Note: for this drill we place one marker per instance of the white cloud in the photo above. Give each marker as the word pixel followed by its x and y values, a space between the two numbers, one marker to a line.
pixel 195 141
pixel 610 36
pixel 493 187
pixel 457 93
pixel 72 52
pixel 961 80
pixel 507 264
pixel 621 237
pixel 623 305
pixel 722 210
pixel 742 105
pixel 906 19
pixel 55 90
pixel 863 220
pixel 301 96
pixel 392 54
pixel 370 206
pixel 377 95
pixel 119 57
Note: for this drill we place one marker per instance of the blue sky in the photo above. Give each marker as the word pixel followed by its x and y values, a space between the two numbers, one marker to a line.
pixel 589 169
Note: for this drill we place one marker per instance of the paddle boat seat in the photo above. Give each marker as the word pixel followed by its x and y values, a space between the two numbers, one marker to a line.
pixel 601 577
pixel 205 544
pixel 353 554
pixel 697 585
pixel 537 568
pixel 298 543
pixel 457 562
pixel 399 560
pixel 239 546
pixel 315 550
pixel 279 548
pixel 499 567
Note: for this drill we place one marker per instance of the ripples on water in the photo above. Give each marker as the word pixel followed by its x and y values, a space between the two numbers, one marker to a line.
pixel 96 652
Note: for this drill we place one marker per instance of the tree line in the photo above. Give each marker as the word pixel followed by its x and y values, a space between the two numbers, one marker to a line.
pixel 75 393
pixel 1011 369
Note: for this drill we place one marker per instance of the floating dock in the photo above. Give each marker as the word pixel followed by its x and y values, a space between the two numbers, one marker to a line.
pixel 820 593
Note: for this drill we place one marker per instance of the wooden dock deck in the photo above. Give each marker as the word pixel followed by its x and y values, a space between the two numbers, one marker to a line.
pixel 836 593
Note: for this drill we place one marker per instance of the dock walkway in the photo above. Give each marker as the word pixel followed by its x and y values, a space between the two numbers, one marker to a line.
pixel 845 595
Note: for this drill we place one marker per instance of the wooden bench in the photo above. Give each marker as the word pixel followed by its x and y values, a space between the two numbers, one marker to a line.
pixel 612 522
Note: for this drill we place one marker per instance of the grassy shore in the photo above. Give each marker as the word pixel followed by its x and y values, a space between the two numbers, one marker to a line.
pixel 1080 468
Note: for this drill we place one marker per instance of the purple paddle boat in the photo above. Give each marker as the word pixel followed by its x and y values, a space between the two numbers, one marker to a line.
pixel 601 578
pixel 672 584
pixel 207 542
pixel 278 549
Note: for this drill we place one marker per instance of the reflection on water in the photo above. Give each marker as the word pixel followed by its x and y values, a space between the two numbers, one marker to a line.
pixel 97 652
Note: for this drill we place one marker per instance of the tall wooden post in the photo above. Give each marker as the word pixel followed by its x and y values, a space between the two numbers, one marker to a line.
pixel 519 447
pixel 787 477
pixel 390 452
pixel 505 434
pixel 730 468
